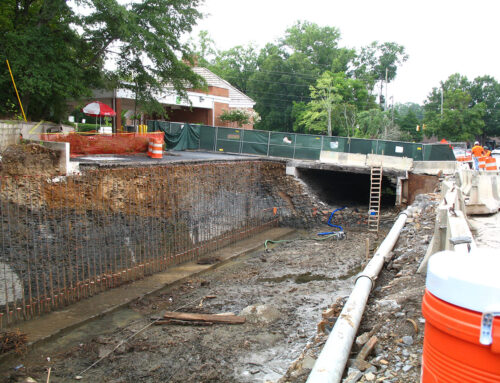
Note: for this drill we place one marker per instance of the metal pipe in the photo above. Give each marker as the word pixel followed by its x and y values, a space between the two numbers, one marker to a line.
pixel 332 360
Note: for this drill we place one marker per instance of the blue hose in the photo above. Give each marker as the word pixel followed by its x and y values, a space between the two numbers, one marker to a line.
pixel 329 223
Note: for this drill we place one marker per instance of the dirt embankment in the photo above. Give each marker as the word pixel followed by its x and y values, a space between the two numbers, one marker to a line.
pixel 29 159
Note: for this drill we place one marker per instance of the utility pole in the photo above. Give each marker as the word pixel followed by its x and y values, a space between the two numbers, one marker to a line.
pixel 441 101
pixel 392 107
pixel 385 99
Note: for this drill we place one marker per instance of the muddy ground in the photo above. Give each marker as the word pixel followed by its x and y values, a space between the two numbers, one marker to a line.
pixel 393 314
pixel 282 293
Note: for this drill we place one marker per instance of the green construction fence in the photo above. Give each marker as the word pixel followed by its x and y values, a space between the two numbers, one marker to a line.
pixel 184 136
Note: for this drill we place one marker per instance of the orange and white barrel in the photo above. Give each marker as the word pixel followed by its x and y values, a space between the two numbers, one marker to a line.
pixel 464 158
pixel 150 147
pixel 491 164
pixel 482 163
pixel 156 148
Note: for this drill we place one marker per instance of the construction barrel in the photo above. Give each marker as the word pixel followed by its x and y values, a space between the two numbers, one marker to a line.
pixel 155 149
pixel 491 164
pixel 482 163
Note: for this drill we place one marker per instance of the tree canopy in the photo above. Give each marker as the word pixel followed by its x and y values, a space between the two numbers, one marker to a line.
pixel 58 52
pixel 470 110
pixel 286 77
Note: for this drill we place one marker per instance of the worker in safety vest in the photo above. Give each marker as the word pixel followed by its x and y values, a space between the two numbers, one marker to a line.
pixel 487 151
pixel 477 151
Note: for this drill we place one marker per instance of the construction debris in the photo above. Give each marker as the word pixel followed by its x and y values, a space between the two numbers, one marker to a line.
pixel 227 319
pixel 12 340
pixel 206 297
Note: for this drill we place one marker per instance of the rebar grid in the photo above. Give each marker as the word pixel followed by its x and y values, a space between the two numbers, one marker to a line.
pixel 69 238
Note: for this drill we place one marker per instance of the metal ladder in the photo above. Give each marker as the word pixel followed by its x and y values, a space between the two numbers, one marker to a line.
pixel 375 194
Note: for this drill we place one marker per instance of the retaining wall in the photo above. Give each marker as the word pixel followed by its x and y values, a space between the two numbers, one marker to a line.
pixel 67 238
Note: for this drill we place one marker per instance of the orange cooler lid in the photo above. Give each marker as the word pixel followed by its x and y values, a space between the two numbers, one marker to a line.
pixel 470 281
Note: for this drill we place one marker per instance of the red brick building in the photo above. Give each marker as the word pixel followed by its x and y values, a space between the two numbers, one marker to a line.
pixel 201 107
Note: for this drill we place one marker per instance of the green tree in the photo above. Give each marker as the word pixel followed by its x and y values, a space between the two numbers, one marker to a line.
pixel 461 120
pixel 378 62
pixel 408 116
pixel 335 100
pixel 408 124
pixel 287 69
pixel 281 80
pixel 57 54
pixel 375 123
pixel 404 109
pixel 236 65
pixel 204 49
pixel 318 44
pixel 46 56
pixel 486 90
pixel 239 116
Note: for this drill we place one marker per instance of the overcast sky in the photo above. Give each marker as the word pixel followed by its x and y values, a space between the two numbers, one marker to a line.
pixel 442 37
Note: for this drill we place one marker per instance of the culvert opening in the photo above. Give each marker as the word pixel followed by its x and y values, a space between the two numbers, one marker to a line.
pixel 344 188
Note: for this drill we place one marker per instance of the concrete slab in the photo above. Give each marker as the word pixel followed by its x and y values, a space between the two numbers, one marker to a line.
pixel 347 159
pixel 141 159
pixel 388 162
pixel 434 167
pixel 58 322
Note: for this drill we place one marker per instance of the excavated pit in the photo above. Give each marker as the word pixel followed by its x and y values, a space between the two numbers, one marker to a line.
pixel 102 229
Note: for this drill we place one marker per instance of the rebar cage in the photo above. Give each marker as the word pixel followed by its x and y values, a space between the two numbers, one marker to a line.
pixel 64 239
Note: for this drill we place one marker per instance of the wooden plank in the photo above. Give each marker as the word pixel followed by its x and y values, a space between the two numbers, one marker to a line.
pixel 182 322
pixel 228 319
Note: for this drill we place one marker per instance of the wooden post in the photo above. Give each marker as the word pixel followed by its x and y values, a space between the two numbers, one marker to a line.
pixel 118 117
pixel 367 248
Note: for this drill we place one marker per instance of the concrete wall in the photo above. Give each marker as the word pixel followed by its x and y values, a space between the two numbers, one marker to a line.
pixel 11 131
pixel 389 162
pixel 347 159
pixel 434 167
pixel 419 184
pixel 9 134
pixel 64 157
pixel 364 160
pixel 451 231
pixel 401 164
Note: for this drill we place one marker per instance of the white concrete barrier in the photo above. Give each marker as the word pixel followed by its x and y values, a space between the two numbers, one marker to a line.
pixel 451 230
pixel 389 162
pixel 434 168
pixel 466 176
pixel 482 197
pixel 340 158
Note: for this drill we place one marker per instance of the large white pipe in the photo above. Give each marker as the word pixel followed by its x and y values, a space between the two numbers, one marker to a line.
pixel 333 358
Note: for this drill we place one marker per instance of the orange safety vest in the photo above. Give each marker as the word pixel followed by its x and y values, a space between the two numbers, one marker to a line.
pixel 477 151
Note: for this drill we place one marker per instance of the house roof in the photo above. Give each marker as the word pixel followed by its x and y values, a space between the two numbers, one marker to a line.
pixel 237 98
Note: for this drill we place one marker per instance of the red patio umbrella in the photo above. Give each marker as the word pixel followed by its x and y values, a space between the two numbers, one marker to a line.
pixel 98 109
